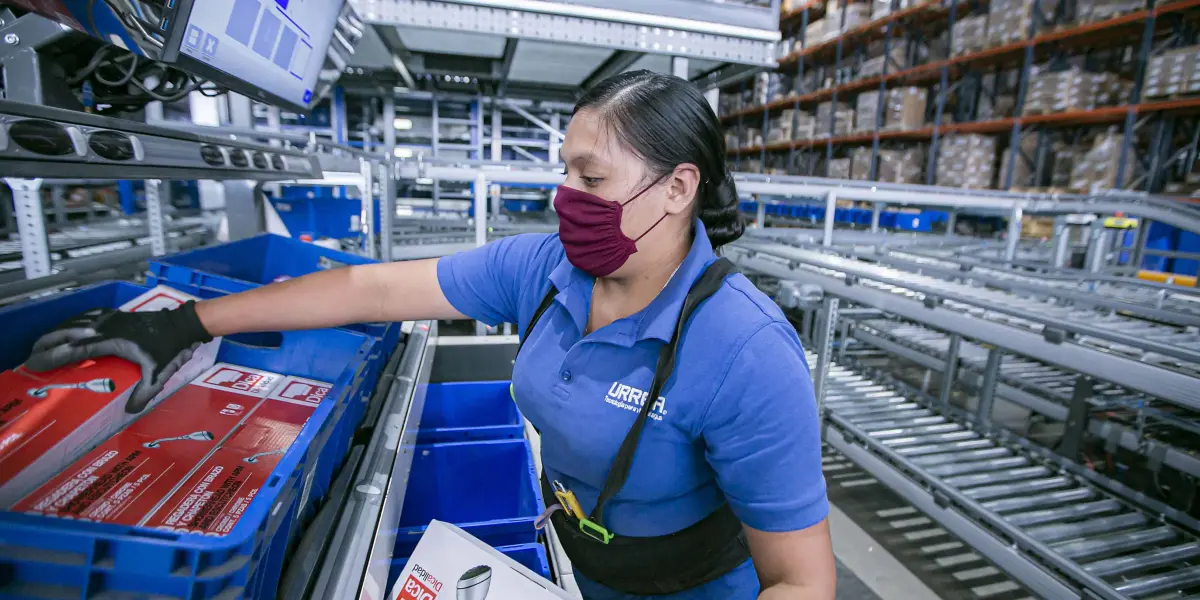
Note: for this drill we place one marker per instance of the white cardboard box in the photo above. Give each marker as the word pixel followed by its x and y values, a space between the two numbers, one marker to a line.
pixel 450 564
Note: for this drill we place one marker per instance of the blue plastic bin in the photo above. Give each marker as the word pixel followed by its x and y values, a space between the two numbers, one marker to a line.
pixel 530 556
pixel 45 555
pixel 488 488
pixel 472 410
pixel 250 263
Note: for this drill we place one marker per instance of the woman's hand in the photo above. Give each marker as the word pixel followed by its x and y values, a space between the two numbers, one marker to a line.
pixel 794 565
pixel 160 342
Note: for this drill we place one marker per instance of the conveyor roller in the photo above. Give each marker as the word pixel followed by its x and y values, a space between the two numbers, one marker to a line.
pixel 1053 517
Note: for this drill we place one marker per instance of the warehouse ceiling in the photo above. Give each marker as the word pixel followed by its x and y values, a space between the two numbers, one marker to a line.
pixel 458 61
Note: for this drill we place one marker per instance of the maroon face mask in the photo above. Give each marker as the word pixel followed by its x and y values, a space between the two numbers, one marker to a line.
pixel 590 229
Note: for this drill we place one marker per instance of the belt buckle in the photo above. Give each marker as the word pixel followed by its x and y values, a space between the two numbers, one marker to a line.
pixel 595 531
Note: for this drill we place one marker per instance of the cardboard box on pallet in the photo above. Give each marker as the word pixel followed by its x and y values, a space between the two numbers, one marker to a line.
pixel 966 160
pixel 1022 176
pixel 905 109
pixel 1097 169
pixel 192 464
pixel 838 168
pixel 874 66
pixel 50 419
pixel 866 111
pixel 1087 11
pixel 843 119
pixel 1062 164
pixel 860 163
pixel 1010 20
pixel 969 35
pixel 901 166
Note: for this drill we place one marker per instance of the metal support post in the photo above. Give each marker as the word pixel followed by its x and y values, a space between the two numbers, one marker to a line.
pixel 554 133
pixel 389 127
pixel 950 371
pixel 830 208
pixel 31 226
pixel 337 115
pixel 987 389
pixel 435 141
pixel 494 193
pixel 274 123
pixel 481 185
pixel 1062 242
pixel 679 67
pixel 154 216
pixel 876 210
pixel 825 333
pixel 367 193
pixel 241 113
pixel 58 202
pixel 497 131
pixel 760 212
pixel 951 222
pixel 940 103
pixel 1097 250
pixel 387 205
pixel 555 142
pixel 1139 243
pixel 1077 417
pixel 1014 232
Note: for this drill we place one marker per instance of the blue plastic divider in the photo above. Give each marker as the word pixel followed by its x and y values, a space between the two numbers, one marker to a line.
pixel 487 488
pixel 39 555
pixel 472 410
pixel 530 556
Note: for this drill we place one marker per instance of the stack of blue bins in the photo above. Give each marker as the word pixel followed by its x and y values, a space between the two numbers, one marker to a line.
pixel 473 468
pixel 46 557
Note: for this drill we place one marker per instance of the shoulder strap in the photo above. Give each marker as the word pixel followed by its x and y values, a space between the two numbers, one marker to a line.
pixel 537 315
pixel 708 284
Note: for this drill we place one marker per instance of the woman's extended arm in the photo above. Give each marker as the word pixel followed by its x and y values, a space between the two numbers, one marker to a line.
pixel 399 291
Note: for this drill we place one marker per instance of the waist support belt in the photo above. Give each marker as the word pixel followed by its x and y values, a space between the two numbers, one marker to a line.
pixel 651 565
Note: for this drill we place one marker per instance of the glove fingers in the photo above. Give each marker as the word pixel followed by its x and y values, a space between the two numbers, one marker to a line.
pixel 62 336
pixel 154 377
pixel 51 358
pixel 145 392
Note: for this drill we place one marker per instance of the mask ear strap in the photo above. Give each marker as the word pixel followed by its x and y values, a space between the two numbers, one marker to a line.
pixel 644 190
pixel 660 220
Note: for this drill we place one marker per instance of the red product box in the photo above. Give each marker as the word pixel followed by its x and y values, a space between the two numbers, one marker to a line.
pixel 49 419
pixel 129 476
pixel 214 498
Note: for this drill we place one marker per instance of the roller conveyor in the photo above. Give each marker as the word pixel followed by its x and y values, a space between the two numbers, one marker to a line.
pixel 1171 347
pixel 1085 341
pixel 1157 302
pixel 1121 411
pixel 1068 534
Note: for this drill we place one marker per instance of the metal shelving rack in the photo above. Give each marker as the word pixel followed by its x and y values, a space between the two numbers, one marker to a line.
pixel 1171 124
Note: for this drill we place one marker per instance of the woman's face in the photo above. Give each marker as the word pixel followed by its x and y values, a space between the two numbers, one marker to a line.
pixel 598 164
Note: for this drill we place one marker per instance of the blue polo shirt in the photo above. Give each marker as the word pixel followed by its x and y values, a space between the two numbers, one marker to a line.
pixel 736 422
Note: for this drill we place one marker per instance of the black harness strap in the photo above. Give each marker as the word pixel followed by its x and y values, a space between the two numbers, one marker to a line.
pixel 657 565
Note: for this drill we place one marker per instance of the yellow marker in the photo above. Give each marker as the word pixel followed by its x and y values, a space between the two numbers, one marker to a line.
pixel 567 499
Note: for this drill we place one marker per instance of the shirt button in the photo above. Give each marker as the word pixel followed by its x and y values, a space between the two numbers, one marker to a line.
pixel 566 375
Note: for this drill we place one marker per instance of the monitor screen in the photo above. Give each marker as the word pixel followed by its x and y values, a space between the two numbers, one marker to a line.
pixel 276 46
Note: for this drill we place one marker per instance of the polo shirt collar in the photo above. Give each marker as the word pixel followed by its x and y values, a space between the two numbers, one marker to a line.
pixel 657 320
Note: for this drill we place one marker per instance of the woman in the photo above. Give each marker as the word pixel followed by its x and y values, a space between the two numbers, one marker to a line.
pixel 722 464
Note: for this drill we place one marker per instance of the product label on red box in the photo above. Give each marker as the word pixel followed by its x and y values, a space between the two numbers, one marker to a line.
pixel 298 390
pixel 216 496
pixel 121 480
pixel 239 380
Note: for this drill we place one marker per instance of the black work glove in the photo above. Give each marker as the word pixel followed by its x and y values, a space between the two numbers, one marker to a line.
pixel 159 341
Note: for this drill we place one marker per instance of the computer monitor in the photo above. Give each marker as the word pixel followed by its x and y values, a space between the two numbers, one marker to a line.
pixel 269 50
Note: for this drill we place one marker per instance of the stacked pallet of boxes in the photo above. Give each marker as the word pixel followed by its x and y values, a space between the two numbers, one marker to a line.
pixel 969 35
pixel 1098 10
pixel 1071 89
pixel 838 168
pixel 232 462
pixel 1097 169
pixel 1173 72
pixel 842 119
pixel 967 161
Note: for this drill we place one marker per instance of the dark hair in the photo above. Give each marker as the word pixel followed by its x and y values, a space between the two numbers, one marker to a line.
pixel 667 122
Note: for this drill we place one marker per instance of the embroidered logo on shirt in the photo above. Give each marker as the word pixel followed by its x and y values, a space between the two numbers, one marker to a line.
pixel 631 398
